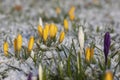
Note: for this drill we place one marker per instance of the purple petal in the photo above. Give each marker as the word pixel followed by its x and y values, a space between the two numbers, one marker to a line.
pixel 106 44
pixel 29 76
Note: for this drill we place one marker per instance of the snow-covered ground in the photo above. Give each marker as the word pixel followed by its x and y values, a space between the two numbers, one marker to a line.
pixel 104 14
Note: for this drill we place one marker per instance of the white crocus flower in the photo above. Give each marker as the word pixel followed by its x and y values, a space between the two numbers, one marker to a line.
pixel 40 22
pixel 81 38
pixel 40 72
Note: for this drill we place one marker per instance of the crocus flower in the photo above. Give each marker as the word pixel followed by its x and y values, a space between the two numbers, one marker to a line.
pixel 65 24
pixel 108 75
pixel 89 54
pixel 53 30
pixel 72 10
pixel 106 45
pixel 62 36
pixel 71 13
pixel 40 25
pixel 40 22
pixel 40 30
pixel 81 38
pixel 31 43
pixel 29 76
pixel 5 48
pixel 19 42
pixel 40 72
pixel 58 10
pixel 45 32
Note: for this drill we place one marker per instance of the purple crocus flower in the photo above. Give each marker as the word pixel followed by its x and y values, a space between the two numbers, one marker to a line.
pixel 29 76
pixel 106 45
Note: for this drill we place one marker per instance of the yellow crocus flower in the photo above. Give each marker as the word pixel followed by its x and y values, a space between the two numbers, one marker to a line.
pixel 58 10
pixel 66 24
pixel 89 53
pixel 5 48
pixel 40 30
pixel 72 10
pixel 62 36
pixel 30 43
pixel 19 42
pixel 108 75
pixel 45 34
pixel 71 13
pixel 53 30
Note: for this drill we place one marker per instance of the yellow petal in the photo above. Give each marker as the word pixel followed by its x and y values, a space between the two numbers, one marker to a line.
pixel 19 42
pixel 56 29
pixel 47 28
pixel 40 30
pixel 53 30
pixel 71 13
pixel 62 36
pixel 45 34
pixel 31 43
pixel 5 48
pixel 72 10
pixel 108 75
pixel 66 24
pixel 87 54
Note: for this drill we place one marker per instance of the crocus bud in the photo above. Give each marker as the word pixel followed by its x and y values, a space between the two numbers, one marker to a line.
pixel 66 24
pixel 81 38
pixel 40 72
pixel 40 22
pixel 19 42
pixel 5 48
pixel 89 54
pixel 62 36
pixel 53 30
pixel 31 43
pixel 108 75
pixel 71 13
pixel 72 10
pixel 58 10
pixel 40 30
pixel 106 45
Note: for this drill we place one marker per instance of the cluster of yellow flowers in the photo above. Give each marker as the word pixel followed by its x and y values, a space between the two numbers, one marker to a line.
pixel 71 12
pixel 50 30
pixel 18 45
